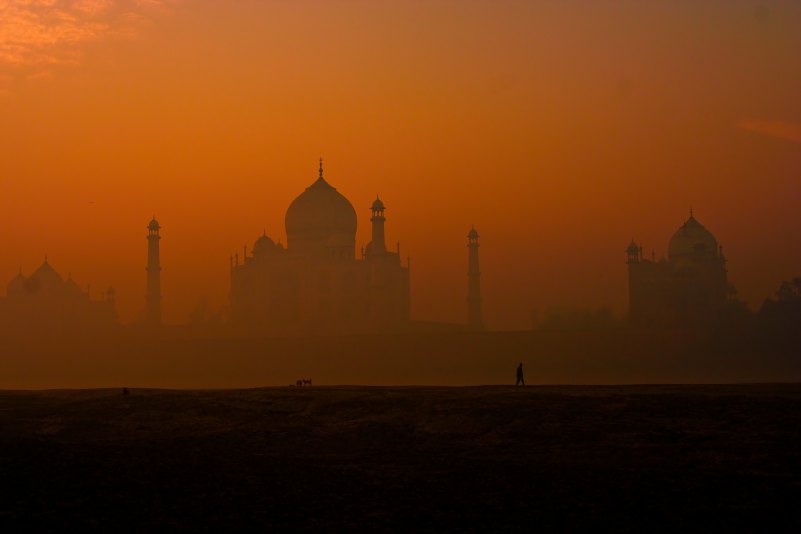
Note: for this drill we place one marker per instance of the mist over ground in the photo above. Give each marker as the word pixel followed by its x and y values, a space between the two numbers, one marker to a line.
pixel 183 358
pixel 500 458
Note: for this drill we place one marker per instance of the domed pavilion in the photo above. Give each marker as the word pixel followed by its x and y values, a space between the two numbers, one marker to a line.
pixel 316 283
pixel 46 303
pixel 689 287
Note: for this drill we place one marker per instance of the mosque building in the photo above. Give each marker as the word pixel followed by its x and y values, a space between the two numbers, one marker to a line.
pixel 316 282
pixel 689 287
pixel 46 302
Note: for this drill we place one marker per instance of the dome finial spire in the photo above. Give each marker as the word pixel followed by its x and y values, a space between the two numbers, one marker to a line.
pixel 691 211
pixel 321 168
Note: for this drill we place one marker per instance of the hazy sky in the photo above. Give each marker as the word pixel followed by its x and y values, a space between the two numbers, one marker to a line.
pixel 560 129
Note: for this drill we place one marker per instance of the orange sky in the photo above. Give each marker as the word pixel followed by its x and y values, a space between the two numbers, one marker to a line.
pixel 560 129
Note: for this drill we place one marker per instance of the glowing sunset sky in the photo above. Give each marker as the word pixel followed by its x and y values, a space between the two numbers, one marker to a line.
pixel 560 129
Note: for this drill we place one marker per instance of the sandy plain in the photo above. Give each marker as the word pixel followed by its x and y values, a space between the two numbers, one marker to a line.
pixel 495 458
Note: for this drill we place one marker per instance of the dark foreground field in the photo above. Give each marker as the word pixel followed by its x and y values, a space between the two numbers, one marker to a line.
pixel 497 458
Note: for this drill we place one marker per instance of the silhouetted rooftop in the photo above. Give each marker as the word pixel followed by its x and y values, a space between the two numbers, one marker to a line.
pixel 692 238
pixel 319 213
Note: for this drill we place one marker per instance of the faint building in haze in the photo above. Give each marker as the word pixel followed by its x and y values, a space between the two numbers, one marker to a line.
pixel 689 287
pixel 153 293
pixel 44 302
pixel 316 282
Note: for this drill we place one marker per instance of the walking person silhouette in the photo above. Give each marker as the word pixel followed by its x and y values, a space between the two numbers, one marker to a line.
pixel 520 375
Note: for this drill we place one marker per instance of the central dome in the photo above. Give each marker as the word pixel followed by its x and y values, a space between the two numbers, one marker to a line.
pixel 319 216
pixel 692 239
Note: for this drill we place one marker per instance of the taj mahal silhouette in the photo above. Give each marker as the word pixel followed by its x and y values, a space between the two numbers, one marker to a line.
pixel 316 282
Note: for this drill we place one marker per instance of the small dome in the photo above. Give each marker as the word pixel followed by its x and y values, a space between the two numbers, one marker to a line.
pixel 377 204
pixel 264 246
pixel 16 286
pixel 319 213
pixel 633 248
pixel 154 225
pixel 472 234
pixel 692 239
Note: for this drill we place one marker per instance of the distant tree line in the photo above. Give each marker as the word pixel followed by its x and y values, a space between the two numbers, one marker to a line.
pixel 783 310
pixel 785 307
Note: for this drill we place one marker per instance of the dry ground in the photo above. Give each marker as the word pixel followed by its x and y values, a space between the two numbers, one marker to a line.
pixel 487 458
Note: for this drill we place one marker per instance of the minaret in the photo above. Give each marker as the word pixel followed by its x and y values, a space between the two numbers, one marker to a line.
pixel 635 268
pixel 474 318
pixel 377 244
pixel 153 296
